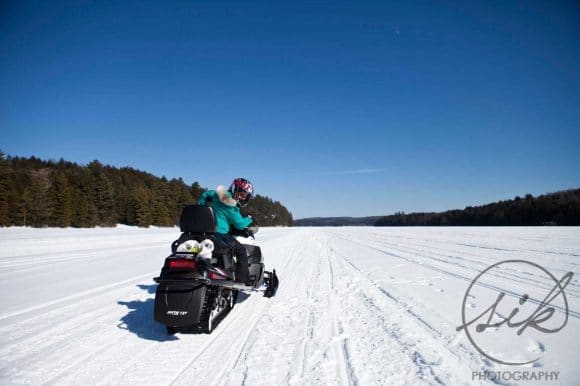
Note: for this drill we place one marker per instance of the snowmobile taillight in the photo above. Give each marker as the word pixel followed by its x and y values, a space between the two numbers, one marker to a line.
pixel 181 264
pixel 213 275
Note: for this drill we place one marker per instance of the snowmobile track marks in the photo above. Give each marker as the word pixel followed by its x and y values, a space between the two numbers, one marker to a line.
pixel 401 323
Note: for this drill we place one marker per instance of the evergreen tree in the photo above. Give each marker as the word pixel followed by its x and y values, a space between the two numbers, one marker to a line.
pixel 105 200
pixel 82 217
pixel 142 203
pixel 41 206
pixel 161 214
pixel 4 192
pixel 62 201
pixel 196 191
pixel 123 205
pixel 86 211
pixel 23 206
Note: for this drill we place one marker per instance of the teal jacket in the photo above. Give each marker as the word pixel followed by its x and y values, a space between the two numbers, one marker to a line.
pixel 226 210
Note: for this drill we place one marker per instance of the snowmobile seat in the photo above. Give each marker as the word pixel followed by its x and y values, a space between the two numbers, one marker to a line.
pixel 198 222
pixel 198 219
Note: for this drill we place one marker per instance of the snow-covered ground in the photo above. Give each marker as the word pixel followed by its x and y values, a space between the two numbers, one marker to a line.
pixel 355 306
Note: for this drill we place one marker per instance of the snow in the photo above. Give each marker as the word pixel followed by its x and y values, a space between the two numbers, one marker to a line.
pixel 356 305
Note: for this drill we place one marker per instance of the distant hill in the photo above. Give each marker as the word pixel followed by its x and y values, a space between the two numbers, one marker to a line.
pixel 560 208
pixel 336 221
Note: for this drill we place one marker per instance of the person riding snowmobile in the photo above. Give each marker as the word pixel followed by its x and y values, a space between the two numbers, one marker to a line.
pixel 225 204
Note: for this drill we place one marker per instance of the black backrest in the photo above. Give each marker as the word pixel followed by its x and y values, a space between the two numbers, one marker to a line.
pixel 197 219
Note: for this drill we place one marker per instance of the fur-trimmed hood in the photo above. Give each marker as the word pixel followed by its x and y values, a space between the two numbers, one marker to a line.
pixel 224 196
pixel 226 210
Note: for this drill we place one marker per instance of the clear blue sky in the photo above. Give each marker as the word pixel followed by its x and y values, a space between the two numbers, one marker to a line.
pixel 333 108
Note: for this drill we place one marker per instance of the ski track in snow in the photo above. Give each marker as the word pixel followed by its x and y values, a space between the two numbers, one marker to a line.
pixel 355 306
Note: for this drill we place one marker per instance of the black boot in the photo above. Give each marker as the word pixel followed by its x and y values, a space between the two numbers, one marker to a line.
pixel 242 271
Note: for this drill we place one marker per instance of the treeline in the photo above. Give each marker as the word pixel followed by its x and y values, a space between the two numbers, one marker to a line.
pixel 267 212
pixel 40 193
pixel 560 208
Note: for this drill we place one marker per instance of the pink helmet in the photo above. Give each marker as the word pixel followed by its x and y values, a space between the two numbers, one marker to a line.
pixel 242 185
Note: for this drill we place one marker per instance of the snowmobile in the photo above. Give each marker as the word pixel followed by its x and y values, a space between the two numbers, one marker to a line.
pixel 197 285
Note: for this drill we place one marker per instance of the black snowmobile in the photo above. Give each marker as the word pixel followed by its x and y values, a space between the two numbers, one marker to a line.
pixel 197 290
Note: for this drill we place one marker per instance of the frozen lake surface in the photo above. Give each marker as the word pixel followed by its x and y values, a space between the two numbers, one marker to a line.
pixel 358 305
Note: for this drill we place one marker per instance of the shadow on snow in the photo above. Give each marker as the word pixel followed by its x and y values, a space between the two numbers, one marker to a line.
pixel 139 320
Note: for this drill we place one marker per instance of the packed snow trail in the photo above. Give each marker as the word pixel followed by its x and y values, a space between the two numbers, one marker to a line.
pixel 355 306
